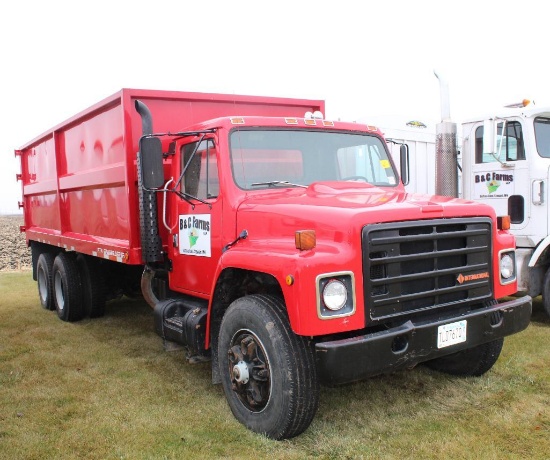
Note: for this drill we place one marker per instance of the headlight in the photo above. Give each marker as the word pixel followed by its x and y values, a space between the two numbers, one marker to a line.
pixel 335 295
pixel 507 266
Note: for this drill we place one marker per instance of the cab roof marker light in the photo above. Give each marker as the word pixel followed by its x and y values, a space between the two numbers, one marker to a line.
pixel 237 120
pixel 520 105
pixel 291 121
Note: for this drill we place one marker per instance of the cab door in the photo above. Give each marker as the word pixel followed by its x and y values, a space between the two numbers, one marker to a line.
pixel 197 235
pixel 502 179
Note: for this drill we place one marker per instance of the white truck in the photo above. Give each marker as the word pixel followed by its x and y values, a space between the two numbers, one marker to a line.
pixel 502 159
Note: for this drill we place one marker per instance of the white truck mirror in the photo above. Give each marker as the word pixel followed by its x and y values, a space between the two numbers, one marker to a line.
pixel 492 142
pixel 489 136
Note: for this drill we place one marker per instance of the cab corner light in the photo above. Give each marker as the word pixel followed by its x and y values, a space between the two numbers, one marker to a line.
pixel 305 239
pixel 503 222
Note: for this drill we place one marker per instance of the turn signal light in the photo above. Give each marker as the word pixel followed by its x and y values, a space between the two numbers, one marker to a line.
pixel 305 239
pixel 503 222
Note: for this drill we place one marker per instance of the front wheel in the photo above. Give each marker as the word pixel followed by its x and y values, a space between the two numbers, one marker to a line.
pixel 268 373
pixel 469 363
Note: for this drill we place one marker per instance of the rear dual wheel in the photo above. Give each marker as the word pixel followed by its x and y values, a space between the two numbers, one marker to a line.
pixel 44 268
pixel 67 288
pixel 94 292
pixel 73 286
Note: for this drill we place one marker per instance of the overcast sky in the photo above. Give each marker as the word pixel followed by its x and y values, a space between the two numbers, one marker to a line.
pixel 364 58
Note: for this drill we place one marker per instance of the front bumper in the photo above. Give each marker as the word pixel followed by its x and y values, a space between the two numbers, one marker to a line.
pixel 356 358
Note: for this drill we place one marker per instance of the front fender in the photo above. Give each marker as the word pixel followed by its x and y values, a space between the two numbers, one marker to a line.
pixel 296 272
pixel 541 248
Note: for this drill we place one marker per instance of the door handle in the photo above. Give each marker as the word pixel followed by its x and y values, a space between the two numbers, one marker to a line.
pixel 537 195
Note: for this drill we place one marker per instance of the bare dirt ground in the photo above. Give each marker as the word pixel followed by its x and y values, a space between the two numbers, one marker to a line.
pixel 14 253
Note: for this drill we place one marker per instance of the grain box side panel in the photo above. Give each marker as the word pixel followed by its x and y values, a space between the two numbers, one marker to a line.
pixel 40 195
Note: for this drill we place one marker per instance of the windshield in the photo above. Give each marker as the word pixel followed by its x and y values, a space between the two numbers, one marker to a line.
pixel 269 158
pixel 542 136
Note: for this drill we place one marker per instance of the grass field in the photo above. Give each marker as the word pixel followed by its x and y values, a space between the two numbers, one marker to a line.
pixel 106 389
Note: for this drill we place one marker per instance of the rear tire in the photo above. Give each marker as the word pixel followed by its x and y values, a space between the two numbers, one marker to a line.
pixel 546 292
pixel 93 286
pixel 67 288
pixel 469 363
pixel 44 268
pixel 268 373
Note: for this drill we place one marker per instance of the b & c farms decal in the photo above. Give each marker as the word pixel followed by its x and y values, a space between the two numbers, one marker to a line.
pixel 493 185
pixel 194 234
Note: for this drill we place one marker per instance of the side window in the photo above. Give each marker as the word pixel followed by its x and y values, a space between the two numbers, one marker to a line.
pixel 201 176
pixel 510 144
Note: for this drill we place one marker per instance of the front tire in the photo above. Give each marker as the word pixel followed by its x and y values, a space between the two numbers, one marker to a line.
pixel 67 288
pixel 268 373
pixel 469 363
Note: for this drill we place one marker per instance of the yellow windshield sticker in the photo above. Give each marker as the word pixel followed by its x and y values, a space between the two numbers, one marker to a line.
pixel 385 164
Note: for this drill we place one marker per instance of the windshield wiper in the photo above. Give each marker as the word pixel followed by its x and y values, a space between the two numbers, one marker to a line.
pixel 273 183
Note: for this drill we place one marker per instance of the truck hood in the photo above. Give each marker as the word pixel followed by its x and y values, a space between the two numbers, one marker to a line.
pixel 335 207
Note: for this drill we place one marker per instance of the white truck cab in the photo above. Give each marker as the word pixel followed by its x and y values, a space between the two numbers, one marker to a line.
pixel 504 161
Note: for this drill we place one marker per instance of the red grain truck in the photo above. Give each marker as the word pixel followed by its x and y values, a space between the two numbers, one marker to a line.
pixel 277 244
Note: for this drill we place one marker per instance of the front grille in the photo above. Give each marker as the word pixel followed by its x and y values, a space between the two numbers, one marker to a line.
pixel 425 265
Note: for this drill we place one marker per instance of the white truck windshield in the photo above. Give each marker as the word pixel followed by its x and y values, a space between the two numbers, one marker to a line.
pixel 542 135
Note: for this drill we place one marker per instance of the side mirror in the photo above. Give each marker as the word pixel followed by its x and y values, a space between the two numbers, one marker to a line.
pixel 489 136
pixel 152 171
pixel 494 132
pixel 404 161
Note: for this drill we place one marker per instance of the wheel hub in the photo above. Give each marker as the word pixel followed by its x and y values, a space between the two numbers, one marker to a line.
pixel 59 294
pixel 42 285
pixel 240 372
pixel 249 370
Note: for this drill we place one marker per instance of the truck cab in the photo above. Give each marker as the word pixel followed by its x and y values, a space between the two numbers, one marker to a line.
pixel 503 160
pixel 309 217
pixel 246 174
pixel 506 160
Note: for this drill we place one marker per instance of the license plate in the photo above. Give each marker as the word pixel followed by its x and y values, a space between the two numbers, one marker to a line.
pixel 451 334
